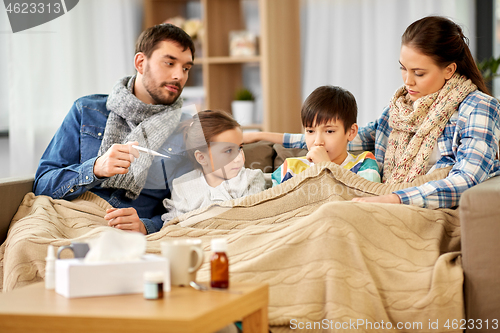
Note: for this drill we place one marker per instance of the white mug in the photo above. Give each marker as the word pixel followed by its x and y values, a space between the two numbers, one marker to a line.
pixel 79 249
pixel 186 257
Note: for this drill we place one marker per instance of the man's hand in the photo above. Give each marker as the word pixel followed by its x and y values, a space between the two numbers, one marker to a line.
pixel 318 154
pixel 125 219
pixel 116 160
pixel 388 198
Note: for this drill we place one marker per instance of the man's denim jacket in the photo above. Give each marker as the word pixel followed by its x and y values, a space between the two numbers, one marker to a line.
pixel 66 169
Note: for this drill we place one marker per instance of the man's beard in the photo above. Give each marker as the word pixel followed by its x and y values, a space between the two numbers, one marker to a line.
pixel 158 92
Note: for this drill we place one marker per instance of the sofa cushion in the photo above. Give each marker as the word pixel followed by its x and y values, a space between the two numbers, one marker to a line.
pixel 283 153
pixel 259 155
pixel 479 217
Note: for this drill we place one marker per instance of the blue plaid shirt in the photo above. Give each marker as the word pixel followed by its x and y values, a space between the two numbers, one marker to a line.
pixel 469 143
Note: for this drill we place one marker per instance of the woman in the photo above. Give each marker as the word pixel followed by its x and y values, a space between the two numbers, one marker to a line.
pixel 442 116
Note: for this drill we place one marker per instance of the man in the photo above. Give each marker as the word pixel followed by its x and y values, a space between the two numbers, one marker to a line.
pixel 92 150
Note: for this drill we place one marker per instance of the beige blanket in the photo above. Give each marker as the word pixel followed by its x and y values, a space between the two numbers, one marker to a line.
pixel 327 260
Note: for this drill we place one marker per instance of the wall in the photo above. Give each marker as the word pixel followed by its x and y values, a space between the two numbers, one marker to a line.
pixel 319 69
pixel 355 44
pixel 46 68
pixel 4 157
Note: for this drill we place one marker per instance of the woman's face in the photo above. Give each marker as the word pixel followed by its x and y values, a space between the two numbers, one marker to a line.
pixel 421 75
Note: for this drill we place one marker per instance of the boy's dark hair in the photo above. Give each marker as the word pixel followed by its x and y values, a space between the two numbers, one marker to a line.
pixel 328 103
pixel 150 38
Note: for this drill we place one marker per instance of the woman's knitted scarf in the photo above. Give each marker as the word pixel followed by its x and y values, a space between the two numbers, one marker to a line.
pixel 416 127
pixel 133 120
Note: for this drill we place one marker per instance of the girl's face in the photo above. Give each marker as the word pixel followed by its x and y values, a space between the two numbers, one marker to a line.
pixel 421 75
pixel 225 157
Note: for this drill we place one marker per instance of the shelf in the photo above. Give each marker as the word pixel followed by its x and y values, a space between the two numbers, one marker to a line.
pixel 227 60
pixel 221 75
pixel 232 60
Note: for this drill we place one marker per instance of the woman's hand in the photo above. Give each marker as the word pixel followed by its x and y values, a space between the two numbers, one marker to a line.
pixel 125 219
pixel 388 198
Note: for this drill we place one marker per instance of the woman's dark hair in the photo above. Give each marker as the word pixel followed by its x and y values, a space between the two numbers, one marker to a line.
pixel 328 103
pixel 443 40
pixel 149 39
pixel 203 127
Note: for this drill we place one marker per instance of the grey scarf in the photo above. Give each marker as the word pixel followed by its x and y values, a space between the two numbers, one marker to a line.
pixel 132 120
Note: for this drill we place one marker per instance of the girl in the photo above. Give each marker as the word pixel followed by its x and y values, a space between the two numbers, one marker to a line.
pixel 214 142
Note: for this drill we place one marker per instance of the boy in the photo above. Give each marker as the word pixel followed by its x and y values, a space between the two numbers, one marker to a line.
pixel 329 118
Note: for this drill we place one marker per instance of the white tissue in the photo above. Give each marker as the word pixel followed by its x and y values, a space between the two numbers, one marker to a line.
pixel 116 245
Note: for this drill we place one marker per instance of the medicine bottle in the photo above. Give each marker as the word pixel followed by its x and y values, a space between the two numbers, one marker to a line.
pixel 219 264
pixel 153 285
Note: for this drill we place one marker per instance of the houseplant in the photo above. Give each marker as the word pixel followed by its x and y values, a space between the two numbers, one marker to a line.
pixel 243 106
pixel 489 68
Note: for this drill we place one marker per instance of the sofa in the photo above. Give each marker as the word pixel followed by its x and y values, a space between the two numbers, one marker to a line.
pixel 479 212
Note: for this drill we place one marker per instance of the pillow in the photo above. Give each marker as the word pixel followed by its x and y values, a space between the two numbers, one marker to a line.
pixel 283 153
pixel 259 155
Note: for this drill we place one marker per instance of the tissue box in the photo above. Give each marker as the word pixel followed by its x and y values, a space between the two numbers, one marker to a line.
pixel 76 278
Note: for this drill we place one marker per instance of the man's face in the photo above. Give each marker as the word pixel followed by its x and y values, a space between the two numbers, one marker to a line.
pixel 166 72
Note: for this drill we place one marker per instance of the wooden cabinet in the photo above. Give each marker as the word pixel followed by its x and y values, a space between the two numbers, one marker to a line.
pixel 278 59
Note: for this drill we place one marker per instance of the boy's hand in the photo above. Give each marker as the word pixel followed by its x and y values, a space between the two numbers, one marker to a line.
pixel 318 154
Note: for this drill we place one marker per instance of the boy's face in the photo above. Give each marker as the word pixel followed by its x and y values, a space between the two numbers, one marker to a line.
pixel 330 137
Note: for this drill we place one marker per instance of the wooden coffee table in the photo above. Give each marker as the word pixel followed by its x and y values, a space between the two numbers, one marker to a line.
pixel 35 309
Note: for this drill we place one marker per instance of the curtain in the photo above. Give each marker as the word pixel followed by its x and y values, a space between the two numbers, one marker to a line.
pixel 355 44
pixel 47 68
